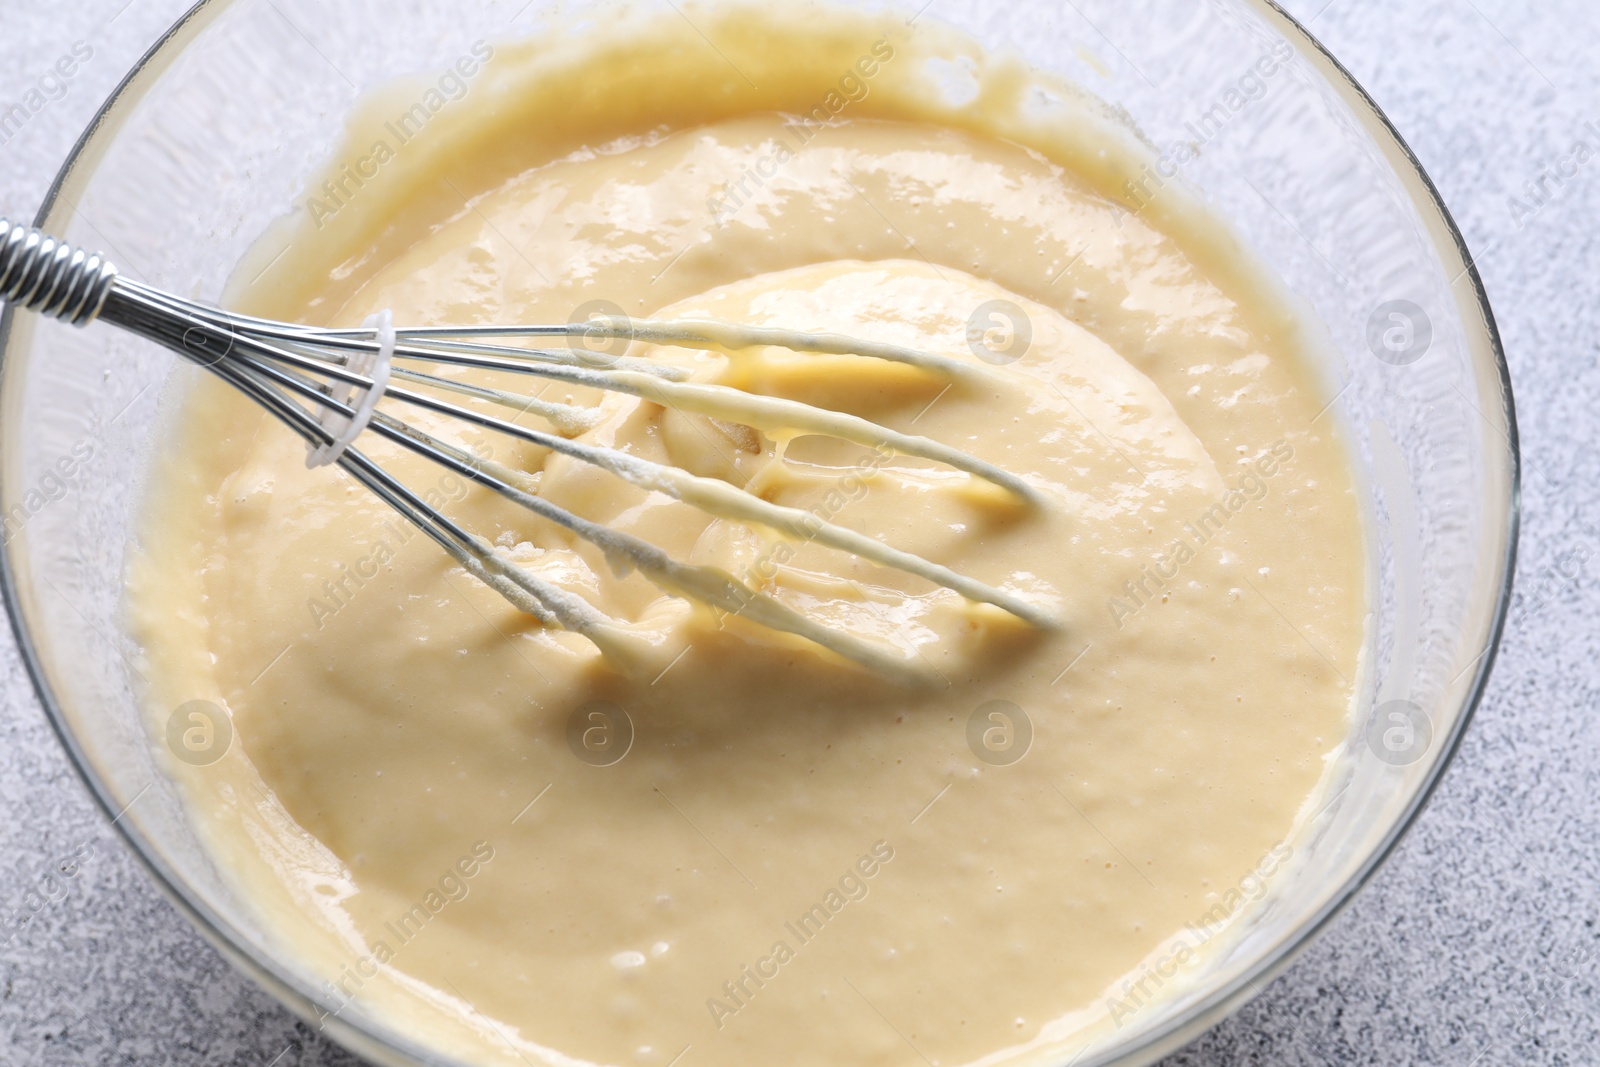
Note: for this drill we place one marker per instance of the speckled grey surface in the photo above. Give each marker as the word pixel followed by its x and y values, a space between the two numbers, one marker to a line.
pixel 1476 944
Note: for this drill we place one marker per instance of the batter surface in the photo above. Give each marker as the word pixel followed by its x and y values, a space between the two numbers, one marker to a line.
pixel 742 846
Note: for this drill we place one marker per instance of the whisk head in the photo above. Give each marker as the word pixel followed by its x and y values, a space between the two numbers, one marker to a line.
pixel 326 384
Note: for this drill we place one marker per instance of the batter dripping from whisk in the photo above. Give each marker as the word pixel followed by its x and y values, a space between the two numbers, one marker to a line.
pixel 665 892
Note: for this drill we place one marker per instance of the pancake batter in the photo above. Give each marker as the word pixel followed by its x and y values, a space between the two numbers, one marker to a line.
pixel 515 850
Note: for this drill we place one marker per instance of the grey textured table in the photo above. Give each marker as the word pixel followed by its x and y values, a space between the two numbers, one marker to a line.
pixel 1476 944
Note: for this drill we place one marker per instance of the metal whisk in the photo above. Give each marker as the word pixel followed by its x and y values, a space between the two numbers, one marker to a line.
pixel 325 384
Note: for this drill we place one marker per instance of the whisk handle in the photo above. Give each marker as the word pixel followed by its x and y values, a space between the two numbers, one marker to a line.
pixel 40 273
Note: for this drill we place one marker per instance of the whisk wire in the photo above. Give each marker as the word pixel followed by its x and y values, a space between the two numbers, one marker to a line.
pixel 325 385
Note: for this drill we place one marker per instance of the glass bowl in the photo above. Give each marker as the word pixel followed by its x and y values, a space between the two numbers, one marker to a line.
pixel 214 135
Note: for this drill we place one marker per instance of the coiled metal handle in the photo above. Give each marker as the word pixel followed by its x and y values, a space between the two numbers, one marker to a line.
pixel 39 273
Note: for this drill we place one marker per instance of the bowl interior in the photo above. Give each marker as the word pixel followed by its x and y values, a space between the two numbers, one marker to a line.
pixel 216 135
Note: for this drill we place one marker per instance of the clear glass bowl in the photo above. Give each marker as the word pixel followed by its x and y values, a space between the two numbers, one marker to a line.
pixel 213 136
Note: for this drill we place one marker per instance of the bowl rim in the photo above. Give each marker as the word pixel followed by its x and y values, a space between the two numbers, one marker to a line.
pixel 370 1035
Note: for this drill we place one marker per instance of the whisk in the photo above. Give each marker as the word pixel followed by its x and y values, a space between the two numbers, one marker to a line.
pixel 325 384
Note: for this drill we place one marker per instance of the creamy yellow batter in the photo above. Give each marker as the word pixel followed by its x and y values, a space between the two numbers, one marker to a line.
pixel 741 849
